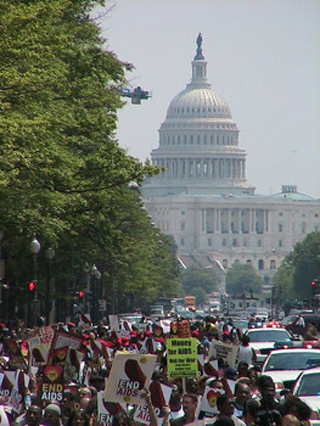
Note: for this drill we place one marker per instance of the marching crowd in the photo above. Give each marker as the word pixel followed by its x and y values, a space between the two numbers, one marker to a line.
pixel 56 375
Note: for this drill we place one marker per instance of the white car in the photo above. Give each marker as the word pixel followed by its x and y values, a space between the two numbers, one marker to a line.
pixel 307 388
pixel 264 340
pixel 285 365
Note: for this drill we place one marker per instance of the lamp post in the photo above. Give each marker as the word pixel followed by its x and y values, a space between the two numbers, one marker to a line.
pixel 50 290
pixel 35 247
pixel 97 276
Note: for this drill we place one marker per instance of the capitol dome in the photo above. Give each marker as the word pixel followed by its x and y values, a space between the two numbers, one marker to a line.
pixel 198 148
pixel 198 102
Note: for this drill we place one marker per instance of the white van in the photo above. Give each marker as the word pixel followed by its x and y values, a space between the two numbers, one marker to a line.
pixel 156 311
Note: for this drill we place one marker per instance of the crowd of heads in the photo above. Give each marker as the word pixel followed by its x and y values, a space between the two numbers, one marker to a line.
pixel 252 401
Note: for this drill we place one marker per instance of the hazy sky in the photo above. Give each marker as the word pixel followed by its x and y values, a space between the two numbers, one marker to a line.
pixel 263 58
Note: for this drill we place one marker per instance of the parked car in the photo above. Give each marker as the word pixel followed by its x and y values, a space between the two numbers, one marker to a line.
pixel 297 323
pixel 265 340
pixel 285 366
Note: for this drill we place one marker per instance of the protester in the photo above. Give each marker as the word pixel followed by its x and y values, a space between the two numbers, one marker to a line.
pixel 242 394
pixel 246 353
pixel 52 415
pixel 189 404
pixel 268 411
pixel 225 406
pixel 78 418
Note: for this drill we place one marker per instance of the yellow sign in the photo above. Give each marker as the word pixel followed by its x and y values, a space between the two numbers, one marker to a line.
pixel 182 357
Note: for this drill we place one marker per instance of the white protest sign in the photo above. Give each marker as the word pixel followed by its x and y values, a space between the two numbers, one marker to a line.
pixel 226 351
pixel 129 375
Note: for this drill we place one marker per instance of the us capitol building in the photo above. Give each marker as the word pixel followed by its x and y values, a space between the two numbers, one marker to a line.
pixel 202 197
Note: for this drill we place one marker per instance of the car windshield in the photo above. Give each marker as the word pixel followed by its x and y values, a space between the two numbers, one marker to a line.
pixel 289 320
pixel 309 385
pixel 267 335
pixel 292 361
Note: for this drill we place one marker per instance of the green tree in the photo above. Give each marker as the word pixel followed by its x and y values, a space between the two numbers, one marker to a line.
pixel 198 281
pixel 243 279
pixel 300 267
pixel 63 175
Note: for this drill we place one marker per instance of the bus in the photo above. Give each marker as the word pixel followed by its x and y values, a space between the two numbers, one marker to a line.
pixel 190 303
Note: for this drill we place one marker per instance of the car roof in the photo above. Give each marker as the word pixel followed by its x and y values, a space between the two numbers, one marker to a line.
pixel 310 371
pixel 264 329
pixel 296 350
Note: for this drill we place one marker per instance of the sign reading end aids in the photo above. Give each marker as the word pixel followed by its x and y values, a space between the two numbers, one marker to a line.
pixel 182 357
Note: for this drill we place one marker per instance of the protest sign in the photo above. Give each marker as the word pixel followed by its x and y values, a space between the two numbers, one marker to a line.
pixel 18 392
pixel 51 388
pixel 211 368
pixel 130 373
pixel 17 359
pixel 39 346
pixel 160 396
pixel 72 365
pixel 180 328
pixel 106 410
pixel 182 357
pixel 114 322
pixel 63 339
pixel 226 351
pixel 209 400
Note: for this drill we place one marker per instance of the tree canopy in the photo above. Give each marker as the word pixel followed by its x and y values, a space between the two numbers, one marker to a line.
pixel 243 279
pixel 199 282
pixel 63 175
pixel 300 268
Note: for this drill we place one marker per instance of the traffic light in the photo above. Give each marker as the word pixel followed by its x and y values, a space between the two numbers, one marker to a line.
pixel 315 287
pixel 31 286
pixel 80 297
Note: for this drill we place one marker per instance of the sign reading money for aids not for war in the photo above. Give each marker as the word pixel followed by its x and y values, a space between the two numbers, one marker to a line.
pixel 129 375
pixel 182 357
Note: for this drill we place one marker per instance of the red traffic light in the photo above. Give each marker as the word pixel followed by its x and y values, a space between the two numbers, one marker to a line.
pixel 313 283
pixel 81 294
pixel 31 286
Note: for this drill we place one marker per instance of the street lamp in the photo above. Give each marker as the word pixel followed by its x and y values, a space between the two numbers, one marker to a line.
pixel 35 247
pixel 97 276
pixel 50 254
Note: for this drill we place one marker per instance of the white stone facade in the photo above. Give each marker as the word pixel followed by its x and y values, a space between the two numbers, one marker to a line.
pixel 202 198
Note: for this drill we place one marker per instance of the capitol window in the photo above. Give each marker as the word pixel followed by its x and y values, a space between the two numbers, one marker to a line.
pixel 182 242
pixel 209 242
pixel 272 264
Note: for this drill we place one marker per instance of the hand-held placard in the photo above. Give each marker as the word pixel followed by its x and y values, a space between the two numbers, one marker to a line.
pixel 133 371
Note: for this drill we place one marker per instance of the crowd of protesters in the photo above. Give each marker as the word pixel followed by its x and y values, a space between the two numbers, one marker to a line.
pixel 29 356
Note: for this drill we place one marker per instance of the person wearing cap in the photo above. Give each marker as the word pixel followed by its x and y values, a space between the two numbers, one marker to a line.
pixel 52 415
